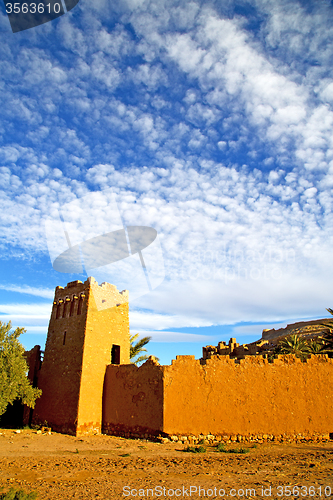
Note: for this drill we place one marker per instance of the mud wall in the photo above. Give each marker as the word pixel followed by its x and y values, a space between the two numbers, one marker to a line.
pixel 249 397
pixel 221 397
pixel 133 400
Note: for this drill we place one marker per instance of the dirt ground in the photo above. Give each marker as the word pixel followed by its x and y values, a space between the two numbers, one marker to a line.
pixel 106 467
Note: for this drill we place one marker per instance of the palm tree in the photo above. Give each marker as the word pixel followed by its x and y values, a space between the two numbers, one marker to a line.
pixel 328 325
pixel 139 347
pixel 293 344
pixel 328 336
pixel 316 347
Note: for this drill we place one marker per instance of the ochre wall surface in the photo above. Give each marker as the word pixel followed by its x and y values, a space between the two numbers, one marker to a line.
pixel 77 351
pixel 249 397
pixel 133 399
pixel 105 327
pixel 221 397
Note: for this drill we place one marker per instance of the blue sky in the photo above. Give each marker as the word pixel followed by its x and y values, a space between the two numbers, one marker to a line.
pixel 210 122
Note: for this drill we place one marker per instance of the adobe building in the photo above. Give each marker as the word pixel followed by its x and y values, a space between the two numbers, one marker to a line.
pixel 90 386
pixel 88 330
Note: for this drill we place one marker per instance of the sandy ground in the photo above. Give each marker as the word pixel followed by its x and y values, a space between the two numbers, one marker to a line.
pixel 106 467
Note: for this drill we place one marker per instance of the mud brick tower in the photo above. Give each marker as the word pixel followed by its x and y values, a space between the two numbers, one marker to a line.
pixel 88 330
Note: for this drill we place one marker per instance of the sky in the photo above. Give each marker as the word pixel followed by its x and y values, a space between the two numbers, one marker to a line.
pixel 208 121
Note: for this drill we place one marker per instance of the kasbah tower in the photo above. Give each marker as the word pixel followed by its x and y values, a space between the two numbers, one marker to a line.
pixel 88 330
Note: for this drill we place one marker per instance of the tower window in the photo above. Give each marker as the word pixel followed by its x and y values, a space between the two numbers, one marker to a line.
pixel 115 354
pixel 58 311
pixel 64 340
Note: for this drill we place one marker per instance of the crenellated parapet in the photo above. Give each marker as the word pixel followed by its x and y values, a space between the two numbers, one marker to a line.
pixel 71 300
pixel 107 295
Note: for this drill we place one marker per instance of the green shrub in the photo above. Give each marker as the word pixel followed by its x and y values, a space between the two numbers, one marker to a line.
pixel 220 447
pixel 195 449
pixel 18 495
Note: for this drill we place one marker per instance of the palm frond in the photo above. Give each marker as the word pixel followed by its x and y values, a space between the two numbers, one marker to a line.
pixel 144 357
pixel 316 347
pixel 293 344
pixel 135 349
pixel 138 348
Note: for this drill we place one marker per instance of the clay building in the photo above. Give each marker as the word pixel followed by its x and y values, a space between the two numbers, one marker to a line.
pixel 88 330
pixel 90 386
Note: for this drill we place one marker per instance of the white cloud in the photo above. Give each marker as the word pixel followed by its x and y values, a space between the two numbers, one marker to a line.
pixel 170 135
pixel 45 293
pixel 264 298
pixel 34 330
pixel 27 310
pixel 174 336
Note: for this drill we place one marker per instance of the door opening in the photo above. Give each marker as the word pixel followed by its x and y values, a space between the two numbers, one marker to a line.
pixel 115 354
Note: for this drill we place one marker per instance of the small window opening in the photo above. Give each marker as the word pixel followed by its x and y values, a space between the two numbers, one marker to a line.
pixel 115 354
pixel 71 311
pixel 58 311
pixel 64 341
pixel 79 307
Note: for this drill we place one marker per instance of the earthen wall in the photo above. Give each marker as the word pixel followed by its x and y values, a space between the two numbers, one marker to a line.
pixel 221 397
pixel 133 400
pixel 248 397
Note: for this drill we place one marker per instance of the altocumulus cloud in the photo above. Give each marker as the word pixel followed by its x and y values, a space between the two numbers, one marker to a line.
pixel 210 125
